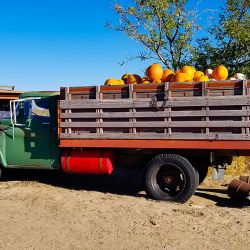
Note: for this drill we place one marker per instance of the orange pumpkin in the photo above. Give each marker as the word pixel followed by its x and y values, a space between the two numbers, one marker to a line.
pixel 182 77
pixel 167 75
pixel 220 73
pixel 134 79
pixel 154 72
pixel 177 71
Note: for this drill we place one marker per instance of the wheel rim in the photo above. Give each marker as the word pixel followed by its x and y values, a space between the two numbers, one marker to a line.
pixel 170 180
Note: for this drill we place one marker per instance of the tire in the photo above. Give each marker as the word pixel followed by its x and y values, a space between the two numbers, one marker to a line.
pixel 171 177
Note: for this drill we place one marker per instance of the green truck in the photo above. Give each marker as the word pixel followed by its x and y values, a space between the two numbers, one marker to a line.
pixel 172 131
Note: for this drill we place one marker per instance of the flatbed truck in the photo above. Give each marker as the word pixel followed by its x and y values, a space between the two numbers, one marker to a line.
pixel 173 131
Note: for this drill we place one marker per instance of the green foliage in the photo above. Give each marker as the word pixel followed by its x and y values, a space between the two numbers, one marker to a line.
pixel 229 41
pixel 165 28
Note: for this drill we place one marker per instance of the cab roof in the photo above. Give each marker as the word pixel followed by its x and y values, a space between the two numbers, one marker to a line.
pixel 39 94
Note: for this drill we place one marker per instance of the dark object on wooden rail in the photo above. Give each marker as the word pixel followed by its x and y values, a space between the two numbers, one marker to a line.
pixel 211 111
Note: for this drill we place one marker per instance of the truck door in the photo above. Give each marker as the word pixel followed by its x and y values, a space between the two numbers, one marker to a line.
pixel 28 141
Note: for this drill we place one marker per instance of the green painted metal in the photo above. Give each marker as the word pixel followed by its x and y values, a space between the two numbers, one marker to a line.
pixel 42 94
pixel 35 142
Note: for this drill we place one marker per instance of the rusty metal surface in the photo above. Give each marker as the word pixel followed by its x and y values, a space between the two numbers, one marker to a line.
pixel 238 189
pixel 245 179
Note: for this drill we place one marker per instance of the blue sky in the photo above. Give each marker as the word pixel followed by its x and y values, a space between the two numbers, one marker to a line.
pixel 45 44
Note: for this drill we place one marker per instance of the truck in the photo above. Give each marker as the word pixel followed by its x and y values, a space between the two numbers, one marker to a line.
pixel 171 131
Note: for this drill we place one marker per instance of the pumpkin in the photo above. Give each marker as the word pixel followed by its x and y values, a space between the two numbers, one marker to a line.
pixel 154 72
pixel 197 74
pixel 111 81
pixel 203 79
pixel 125 77
pixel 188 70
pixel 134 79
pixel 121 82
pixel 177 71
pixel 182 77
pixel 145 80
pixel 220 73
pixel 167 75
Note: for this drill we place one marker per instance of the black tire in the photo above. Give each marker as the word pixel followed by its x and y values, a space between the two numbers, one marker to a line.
pixel 171 177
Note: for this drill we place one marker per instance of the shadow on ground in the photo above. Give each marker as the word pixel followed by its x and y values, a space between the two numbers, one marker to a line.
pixel 121 182
pixel 212 194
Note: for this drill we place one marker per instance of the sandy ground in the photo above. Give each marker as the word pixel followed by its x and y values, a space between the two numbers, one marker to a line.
pixel 39 210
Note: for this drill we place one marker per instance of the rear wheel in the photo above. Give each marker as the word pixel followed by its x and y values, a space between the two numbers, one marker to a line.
pixel 171 177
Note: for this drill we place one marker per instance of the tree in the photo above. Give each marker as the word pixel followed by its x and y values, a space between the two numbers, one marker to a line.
pixel 164 27
pixel 167 29
pixel 229 41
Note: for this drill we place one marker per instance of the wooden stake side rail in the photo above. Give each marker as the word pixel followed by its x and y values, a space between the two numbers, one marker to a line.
pixel 171 112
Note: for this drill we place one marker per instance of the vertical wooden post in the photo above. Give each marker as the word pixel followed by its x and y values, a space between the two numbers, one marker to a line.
pixel 206 108
pixel 245 92
pixel 168 118
pixel 132 95
pixel 99 121
pixel 68 98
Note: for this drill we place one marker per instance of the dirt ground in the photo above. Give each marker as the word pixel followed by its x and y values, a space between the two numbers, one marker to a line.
pixel 41 210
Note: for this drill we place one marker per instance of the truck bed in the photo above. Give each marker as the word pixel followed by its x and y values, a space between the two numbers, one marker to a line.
pixel 211 115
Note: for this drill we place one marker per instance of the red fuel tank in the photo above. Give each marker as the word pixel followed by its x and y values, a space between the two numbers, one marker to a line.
pixel 87 161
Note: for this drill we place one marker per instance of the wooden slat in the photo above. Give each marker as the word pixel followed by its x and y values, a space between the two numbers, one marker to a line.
pixel 184 136
pixel 146 103
pixel 156 114
pixel 158 124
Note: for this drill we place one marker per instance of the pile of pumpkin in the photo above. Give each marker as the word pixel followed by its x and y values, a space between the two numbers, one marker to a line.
pixel 156 74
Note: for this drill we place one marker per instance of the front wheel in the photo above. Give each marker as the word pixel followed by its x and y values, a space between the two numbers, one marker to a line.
pixel 171 177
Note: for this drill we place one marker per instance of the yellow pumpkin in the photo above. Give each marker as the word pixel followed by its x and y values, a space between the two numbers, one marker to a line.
pixel 111 81
pixel 125 77
pixel 134 79
pixel 197 74
pixel 203 79
pixel 188 70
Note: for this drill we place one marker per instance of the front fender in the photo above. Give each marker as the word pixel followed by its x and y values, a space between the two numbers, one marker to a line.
pixel 3 162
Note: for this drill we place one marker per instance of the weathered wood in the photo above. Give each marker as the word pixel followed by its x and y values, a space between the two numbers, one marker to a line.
pixel 157 114
pixel 191 111
pixel 158 124
pixel 147 102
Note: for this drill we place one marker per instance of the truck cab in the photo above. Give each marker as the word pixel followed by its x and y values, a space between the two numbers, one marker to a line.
pixel 28 137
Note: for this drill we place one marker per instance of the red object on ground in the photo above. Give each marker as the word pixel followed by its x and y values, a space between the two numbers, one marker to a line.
pixel 238 189
pixel 87 161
